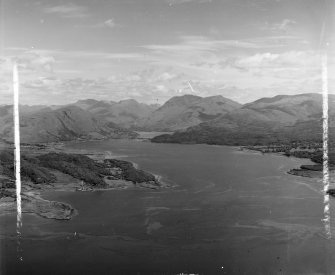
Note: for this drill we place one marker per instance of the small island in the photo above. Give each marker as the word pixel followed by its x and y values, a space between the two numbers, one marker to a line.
pixel 45 170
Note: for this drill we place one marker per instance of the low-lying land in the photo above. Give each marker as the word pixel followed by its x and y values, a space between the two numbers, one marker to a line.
pixel 310 150
pixel 43 170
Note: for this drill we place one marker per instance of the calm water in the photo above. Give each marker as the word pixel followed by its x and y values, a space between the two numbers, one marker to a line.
pixel 230 212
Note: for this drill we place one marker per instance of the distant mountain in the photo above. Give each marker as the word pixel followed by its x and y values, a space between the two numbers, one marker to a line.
pixel 66 123
pixel 284 109
pixel 212 120
pixel 24 109
pixel 267 120
pixel 6 116
pixel 181 112
pixel 124 113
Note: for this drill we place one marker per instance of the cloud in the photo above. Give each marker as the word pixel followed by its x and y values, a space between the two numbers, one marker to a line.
pixel 109 23
pixel 35 61
pixel 97 54
pixel 144 85
pixel 30 63
pixel 4 88
pixel 68 10
pixel 5 64
pixel 166 76
pixel 286 72
pixel 211 59
pixel 200 43
pixel 45 83
pixel 289 59
pixel 193 45
pixel 179 2
pixel 66 55
pixel 161 71
pixel 284 26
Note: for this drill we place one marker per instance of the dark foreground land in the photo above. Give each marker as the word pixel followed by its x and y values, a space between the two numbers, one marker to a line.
pixel 45 169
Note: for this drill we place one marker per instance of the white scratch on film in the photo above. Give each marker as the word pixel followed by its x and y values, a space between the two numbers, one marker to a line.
pixel 325 145
pixel 189 84
pixel 17 153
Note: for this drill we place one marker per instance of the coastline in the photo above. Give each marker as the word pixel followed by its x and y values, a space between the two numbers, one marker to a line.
pixel 120 175
pixel 310 171
pixel 32 194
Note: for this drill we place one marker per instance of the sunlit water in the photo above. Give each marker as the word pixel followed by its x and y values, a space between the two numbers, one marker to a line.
pixel 230 212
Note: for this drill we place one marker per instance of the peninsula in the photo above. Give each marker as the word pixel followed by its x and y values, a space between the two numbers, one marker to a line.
pixel 43 169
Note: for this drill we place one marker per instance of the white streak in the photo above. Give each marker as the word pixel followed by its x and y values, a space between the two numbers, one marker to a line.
pixel 17 152
pixel 191 87
pixel 326 219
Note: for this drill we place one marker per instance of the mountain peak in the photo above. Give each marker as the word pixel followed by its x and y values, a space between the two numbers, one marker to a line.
pixel 87 101
pixel 281 118
pixel 128 101
pixel 182 100
pixel 183 111
pixel 277 98
pixel 216 97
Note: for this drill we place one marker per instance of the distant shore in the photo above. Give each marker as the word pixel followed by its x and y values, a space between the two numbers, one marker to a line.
pixel 314 154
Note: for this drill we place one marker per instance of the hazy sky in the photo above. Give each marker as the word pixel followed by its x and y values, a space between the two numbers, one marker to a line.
pixel 152 50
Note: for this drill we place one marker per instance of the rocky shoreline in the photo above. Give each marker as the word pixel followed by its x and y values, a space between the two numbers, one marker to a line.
pixel 49 168
pixel 32 203
pixel 309 171
pixel 314 153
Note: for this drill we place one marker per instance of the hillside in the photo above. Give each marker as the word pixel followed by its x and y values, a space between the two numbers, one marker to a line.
pixel 66 123
pixel 181 112
pixel 267 120
pixel 124 113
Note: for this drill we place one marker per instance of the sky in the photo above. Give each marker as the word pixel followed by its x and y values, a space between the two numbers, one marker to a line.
pixel 151 50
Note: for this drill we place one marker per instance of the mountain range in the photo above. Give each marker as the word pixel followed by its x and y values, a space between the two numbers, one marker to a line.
pixel 181 112
pixel 124 113
pixel 62 124
pixel 193 119
pixel 279 119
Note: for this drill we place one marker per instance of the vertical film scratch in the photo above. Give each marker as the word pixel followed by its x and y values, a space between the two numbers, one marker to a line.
pixel 17 156
pixel 325 145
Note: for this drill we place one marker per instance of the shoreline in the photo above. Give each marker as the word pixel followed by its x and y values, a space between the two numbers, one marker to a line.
pixel 308 171
pixel 32 194
pixel 34 203
pixel 119 175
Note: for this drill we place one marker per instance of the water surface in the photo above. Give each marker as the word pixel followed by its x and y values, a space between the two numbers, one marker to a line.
pixel 230 212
